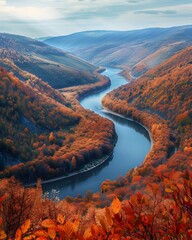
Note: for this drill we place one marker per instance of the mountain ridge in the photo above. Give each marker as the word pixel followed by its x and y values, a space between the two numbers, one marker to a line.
pixel 137 50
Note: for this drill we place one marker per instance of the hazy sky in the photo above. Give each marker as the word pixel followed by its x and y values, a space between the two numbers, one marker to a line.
pixel 38 18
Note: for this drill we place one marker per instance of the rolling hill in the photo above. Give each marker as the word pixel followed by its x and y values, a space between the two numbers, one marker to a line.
pixel 58 68
pixel 137 50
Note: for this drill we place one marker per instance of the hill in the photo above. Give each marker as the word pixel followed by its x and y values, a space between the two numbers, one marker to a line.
pixel 154 199
pixel 52 65
pixel 26 113
pixel 137 50
pixel 166 91
pixel 160 100
pixel 45 134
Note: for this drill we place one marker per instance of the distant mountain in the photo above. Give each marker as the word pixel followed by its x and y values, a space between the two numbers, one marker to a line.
pixel 52 65
pixel 139 50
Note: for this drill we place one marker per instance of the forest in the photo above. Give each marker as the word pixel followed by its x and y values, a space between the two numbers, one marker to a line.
pixel 46 134
pixel 153 200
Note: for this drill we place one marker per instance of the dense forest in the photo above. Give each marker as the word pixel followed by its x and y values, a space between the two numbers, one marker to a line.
pixel 153 201
pixel 45 134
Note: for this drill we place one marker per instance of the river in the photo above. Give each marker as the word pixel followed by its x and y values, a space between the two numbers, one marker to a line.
pixel 131 148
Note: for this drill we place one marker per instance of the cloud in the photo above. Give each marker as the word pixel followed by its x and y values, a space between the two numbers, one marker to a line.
pixel 2 2
pixel 99 12
pixel 26 13
pixel 58 17
pixel 155 12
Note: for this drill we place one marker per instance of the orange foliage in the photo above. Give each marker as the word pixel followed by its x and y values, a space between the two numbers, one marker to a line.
pixel 165 211
pixel 50 128
pixel 161 101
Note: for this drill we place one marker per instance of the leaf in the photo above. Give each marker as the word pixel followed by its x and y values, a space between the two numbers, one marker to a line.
pixel 68 229
pixel 103 223
pixel 25 227
pixel 116 205
pixel 76 226
pixel 18 234
pixel 41 233
pixel 3 235
pixel 48 223
pixel 60 219
pixel 52 233
pixel 168 190
pixel 1 221
pixel 87 233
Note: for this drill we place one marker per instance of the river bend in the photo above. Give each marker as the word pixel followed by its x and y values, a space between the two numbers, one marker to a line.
pixel 131 148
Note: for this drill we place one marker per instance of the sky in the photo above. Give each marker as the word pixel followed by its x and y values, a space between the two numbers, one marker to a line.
pixel 41 18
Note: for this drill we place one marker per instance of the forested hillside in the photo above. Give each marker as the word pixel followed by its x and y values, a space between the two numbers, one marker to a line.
pixel 153 200
pixel 52 65
pixel 135 51
pixel 45 134
pixel 160 100
pixel 165 91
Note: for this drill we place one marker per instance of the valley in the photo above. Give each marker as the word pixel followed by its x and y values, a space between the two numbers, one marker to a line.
pixel 136 51
pixel 53 126
pixel 130 137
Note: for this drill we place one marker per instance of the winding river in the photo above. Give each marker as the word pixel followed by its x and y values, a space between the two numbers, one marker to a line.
pixel 132 146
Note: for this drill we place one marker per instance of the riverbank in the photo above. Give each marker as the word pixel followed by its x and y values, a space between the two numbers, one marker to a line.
pixel 76 95
pixel 82 91
pixel 126 73
pixel 88 167
pixel 130 119
pixel 158 127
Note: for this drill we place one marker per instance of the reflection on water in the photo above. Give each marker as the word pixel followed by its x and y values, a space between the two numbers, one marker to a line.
pixel 129 123
pixel 74 185
pixel 131 148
